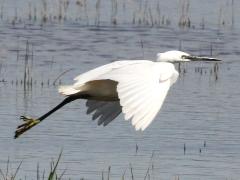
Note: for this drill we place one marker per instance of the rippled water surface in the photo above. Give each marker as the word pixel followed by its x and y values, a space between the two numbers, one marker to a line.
pixel 201 110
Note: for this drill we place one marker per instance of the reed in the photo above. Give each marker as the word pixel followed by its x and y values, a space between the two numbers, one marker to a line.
pixel 226 15
pixel 79 5
pixel 142 48
pixel 60 11
pixel 109 170
pixel 140 14
pixel 27 80
pixel 114 12
pixel 1 67
pixel 83 10
pixel 136 149
pixel 97 18
pixel 26 67
pixel 2 8
pixel 131 170
pixel 86 11
pixel 158 11
pixel 144 13
pixel 147 175
pixel 35 14
pixel 102 175
pixel 123 175
pixel 65 8
pixel 29 11
pixel 53 172
pixel 44 11
pixel 8 174
pixel 60 75
pixel 184 148
pixel 220 20
pixel 232 13
pixel 151 17
pixel 184 20
pixel 202 24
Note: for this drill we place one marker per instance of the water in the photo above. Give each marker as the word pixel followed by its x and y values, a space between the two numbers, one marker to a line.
pixel 203 106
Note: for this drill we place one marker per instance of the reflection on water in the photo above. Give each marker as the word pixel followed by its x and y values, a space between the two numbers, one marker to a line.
pixel 196 135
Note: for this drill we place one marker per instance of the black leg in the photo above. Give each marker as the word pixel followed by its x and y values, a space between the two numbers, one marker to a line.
pixel 30 122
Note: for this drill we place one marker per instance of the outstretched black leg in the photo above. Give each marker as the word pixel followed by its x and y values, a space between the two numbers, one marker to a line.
pixel 30 122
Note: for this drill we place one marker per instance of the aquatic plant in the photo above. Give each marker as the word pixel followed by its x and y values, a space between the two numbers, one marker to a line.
pixel 141 13
pixel 7 174
pixel 10 174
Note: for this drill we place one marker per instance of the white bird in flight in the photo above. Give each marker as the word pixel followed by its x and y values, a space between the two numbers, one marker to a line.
pixel 135 87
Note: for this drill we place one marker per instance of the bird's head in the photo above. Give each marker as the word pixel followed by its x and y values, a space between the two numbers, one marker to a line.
pixel 180 56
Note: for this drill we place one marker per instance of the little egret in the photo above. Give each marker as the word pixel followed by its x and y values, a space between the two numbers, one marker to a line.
pixel 135 87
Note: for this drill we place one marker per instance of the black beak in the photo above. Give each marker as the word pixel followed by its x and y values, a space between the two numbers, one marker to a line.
pixel 201 58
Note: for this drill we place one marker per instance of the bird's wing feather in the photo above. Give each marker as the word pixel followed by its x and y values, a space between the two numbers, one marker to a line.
pixel 142 89
pixel 95 73
pixel 104 111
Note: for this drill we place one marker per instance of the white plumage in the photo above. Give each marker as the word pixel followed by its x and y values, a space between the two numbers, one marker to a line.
pixel 137 88
pixel 173 56
pixel 140 86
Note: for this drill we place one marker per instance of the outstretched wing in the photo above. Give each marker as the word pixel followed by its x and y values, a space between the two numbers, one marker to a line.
pixel 95 73
pixel 104 111
pixel 142 89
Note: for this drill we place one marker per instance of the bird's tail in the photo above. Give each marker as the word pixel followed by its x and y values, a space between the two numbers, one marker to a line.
pixel 67 90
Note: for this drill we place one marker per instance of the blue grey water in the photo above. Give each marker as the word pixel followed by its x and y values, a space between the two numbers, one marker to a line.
pixel 200 111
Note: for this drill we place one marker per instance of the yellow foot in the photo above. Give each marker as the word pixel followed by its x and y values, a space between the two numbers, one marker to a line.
pixel 28 124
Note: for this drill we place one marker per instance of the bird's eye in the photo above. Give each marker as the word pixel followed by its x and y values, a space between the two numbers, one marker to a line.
pixel 183 56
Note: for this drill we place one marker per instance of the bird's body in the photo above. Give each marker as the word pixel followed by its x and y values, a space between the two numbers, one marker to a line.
pixel 138 85
pixel 104 82
pixel 135 87
pixel 102 90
